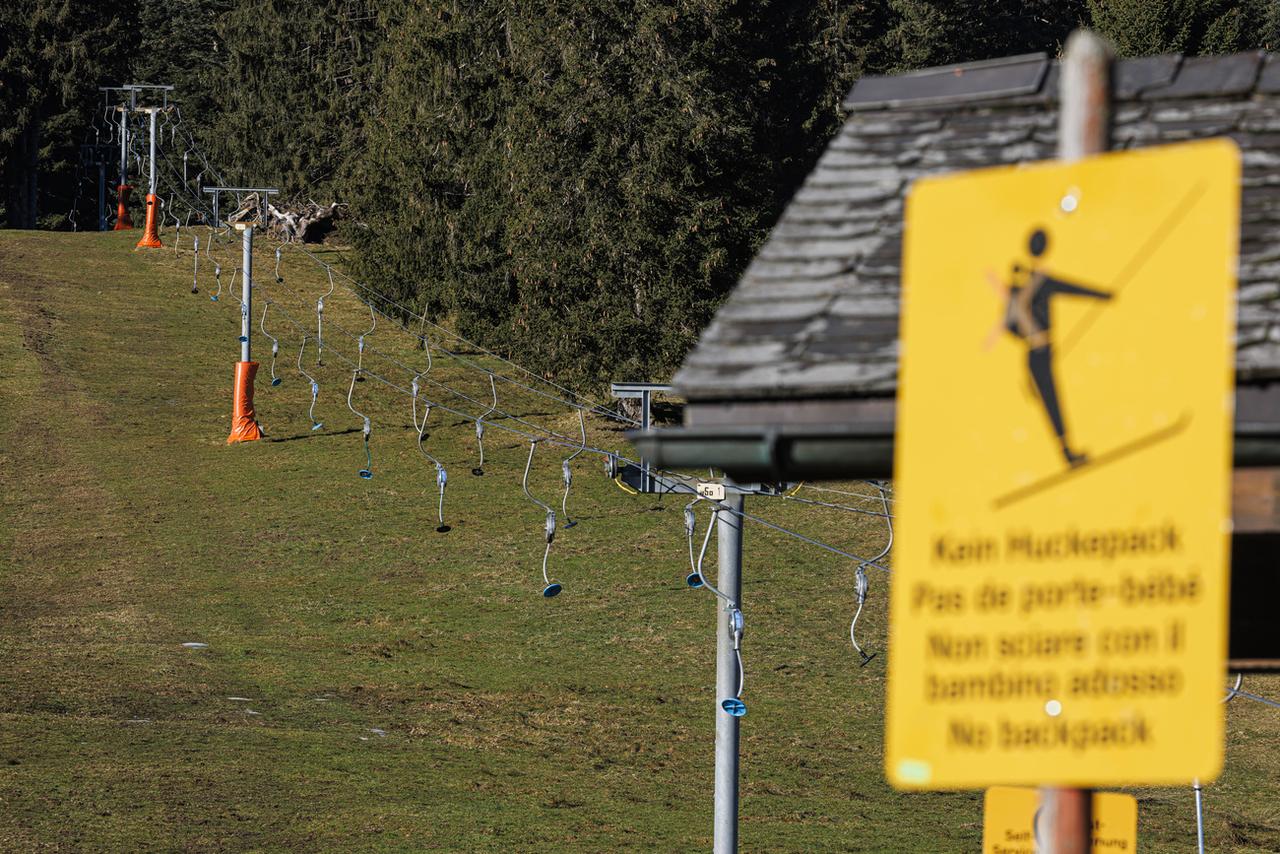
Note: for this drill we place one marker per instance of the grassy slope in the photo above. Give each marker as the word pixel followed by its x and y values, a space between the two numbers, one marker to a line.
pixel 512 722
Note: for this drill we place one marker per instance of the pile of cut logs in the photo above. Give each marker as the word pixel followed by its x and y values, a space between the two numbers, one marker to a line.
pixel 303 222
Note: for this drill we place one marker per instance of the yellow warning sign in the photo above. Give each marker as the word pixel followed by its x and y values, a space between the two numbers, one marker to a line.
pixel 1059 603
pixel 1011 824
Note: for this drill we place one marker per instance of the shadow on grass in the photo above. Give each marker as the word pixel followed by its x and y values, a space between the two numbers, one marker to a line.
pixel 313 435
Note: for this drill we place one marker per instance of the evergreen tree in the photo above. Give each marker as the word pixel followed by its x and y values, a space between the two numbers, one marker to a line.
pixel 289 86
pixel 52 55
pixel 1144 27
pixel 941 32
pixel 579 185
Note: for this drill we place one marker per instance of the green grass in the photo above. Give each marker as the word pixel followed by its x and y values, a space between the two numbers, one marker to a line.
pixel 512 723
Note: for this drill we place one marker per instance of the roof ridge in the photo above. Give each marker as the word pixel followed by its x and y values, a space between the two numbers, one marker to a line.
pixel 1172 76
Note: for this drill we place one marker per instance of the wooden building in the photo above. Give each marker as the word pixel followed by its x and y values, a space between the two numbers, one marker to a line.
pixel 795 378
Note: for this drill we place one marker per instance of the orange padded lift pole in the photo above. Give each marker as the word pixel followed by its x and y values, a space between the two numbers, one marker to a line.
pixel 244 427
pixel 150 233
pixel 123 222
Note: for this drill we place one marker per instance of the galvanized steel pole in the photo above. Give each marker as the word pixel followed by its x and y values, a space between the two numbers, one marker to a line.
pixel 1083 125
pixel 1199 790
pixel 124 145
pixel 729 581
pixel 151 186
pixel 246 290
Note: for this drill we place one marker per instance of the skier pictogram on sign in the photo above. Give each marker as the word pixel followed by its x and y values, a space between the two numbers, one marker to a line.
pixel 1059 601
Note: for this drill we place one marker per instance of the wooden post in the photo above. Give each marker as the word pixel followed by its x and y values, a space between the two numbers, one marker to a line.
pixel 1083 130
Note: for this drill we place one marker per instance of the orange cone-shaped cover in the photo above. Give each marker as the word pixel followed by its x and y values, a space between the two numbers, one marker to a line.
pixel 123 222
pixel 243 426
pixel 150 236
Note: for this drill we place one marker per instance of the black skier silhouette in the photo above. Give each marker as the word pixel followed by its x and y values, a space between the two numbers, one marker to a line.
pixel 1027 302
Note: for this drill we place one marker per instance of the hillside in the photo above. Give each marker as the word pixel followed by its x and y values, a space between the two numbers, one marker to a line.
pixel 370 684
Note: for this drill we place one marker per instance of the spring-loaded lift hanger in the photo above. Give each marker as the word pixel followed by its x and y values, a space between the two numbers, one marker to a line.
pixel 315 387
pixel 861 585
pixel 167 211
pixel 694 578
pixel 567 472
pixel 217 275
pixel 442 476
pixel 731 705
pixel 195 267
pixel 493 386
pixel 552 588
pixel 367 471
pixel 734 705
pixel 279 278
pixel 320 318
pixel 360 341
pixel 275 345
pixel 426 348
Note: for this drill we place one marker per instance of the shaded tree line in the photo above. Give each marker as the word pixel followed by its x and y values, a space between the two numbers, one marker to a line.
pixel 574 183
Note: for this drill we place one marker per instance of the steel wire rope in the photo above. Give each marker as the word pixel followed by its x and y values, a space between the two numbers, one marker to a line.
pixel 1266 701
pixel 797 499
pixel 810 540
pixel 682 488
pixel 860 495
pixel 589 404
pixel 408 369
pixel 675 488
pixel 562 441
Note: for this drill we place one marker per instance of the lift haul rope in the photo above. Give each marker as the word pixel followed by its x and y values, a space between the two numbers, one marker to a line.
pixel 732 705
pixel 680 484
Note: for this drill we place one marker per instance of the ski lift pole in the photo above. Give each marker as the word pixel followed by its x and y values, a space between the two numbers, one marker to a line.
pixel 123 222
pixel 246 291
pixel 729 581
pixel 1086 68
pixel 150 233
pixel 244 424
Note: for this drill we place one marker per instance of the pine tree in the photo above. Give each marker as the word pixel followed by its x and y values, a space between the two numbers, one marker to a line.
pixel 52 53
pixel 288 90
pixel 1146 27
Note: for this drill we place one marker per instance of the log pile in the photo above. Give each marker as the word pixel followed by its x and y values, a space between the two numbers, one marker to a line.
pixel 305 222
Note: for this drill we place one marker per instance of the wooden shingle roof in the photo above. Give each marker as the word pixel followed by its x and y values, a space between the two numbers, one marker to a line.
pixel 815 315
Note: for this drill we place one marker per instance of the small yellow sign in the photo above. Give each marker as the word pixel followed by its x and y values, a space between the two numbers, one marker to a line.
pixel 1011 824
pixel 1059 604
